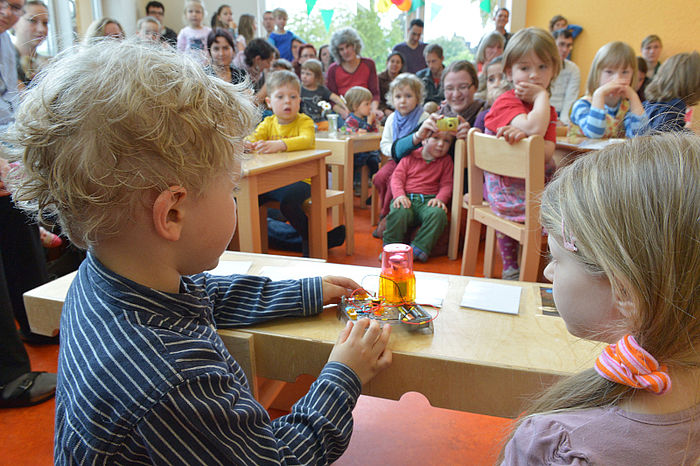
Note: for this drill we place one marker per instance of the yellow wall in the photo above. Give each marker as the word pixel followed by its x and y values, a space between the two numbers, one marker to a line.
pixel 675 21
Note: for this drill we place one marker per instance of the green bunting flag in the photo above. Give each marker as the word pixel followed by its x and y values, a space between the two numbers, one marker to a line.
pixel 485 6
pixel 434 10
pixel 310 6
pixel 327 15
pixel 416 4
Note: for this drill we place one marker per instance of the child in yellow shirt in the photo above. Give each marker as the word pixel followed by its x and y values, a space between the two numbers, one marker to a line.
pixel 289 130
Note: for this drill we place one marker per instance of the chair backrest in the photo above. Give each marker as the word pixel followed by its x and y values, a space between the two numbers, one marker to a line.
pixel 524 159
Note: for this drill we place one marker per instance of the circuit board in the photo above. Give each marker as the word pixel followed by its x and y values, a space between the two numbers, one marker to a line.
pixel 412 316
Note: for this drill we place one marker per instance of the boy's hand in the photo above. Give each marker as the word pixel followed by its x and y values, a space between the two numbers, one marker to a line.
pixel 362 346
pixel 511 134
pixel 269 147
pixel 402 201
pixel 435 202
pixel 528 92
pixel 336 287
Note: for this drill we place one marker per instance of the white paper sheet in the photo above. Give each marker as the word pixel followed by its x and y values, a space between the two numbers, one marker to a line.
pixel 231 267
pixel 490 296
pixel 430 290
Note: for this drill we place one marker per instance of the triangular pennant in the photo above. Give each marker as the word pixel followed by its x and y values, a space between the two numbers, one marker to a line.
pixel 327 15
pixel 415 5
pixel 310 6
pixel 485 6
pixel 434 10
pixel 383 6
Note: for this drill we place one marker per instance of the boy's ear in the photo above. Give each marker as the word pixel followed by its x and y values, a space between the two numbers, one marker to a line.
pixel 169 213
pixel 267 101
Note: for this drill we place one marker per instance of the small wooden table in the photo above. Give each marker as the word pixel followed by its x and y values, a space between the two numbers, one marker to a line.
pixel 569 149
pixel 265 172
pixel 476 361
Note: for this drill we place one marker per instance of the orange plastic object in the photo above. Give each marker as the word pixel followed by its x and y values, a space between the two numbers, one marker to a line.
pixel 397 283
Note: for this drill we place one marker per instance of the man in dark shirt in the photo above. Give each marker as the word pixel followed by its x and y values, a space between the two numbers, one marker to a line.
pixel 412 50
pixel 157 10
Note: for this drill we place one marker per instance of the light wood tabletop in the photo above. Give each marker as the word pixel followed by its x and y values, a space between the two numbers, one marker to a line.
pixel 477 361
pixel 262 173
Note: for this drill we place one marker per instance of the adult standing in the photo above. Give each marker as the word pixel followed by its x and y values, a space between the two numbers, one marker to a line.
pixel 432 75
pixel 412 50
pixel 501 19
pixel 651 52
pixel 157 10
pixel 349 68
pixel 268 24
pixel 566 87
pixel 30 32
pixel 395 65
pixel 22 265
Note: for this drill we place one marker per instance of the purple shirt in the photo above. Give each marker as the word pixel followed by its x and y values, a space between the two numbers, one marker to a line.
pixel 606 436
pixel 415 61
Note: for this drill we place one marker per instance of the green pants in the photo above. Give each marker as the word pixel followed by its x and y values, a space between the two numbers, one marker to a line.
pixel 432 221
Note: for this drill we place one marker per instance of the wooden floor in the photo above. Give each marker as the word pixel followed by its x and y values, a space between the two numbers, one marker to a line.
pixel 27 433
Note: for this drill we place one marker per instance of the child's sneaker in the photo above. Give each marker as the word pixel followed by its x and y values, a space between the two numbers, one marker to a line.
pixel 511 273
pixel 48 239
pixel 420 254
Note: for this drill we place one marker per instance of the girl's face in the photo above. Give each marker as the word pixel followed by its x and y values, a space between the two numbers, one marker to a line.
pixel 614 73
pixel 652 52
pixel 113 30
pixel 325 56
pixel 226 15
pixel 640 79
pixel 194 15
pixel 308 79
pixel 33 27
pixel 394 65
pixel 295 48
pixel 306 54
pixel 364 109
pixel 221 52
pixel 584 300
pixel 492 51
pixel 531 69
pixel 459 90
pixel 494 76
pixel 404 99
pixel 561 24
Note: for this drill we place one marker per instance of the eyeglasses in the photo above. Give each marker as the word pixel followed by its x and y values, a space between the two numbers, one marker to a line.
pixel 16 10
pixel 460 88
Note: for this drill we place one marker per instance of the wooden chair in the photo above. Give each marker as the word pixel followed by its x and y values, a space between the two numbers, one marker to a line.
pixel 460 163
pixel 339 199
pixel 522 160
pixel 375 204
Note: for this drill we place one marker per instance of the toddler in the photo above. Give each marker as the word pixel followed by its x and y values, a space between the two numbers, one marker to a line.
pixel 143 375
pixel 675 87
pixel 289 130
pixel 405 95
pixel 313 91
pixel 494 84
pixel 422 186
pixel 531 61
pixel 362 119
pixel 611 107
pixel 280 38
pixel 193 37
pixel 623 275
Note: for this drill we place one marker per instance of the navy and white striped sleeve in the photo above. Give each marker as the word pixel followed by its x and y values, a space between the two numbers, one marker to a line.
pixel 635 124
pixel 247 299
pixel 591 120
pixel 209 420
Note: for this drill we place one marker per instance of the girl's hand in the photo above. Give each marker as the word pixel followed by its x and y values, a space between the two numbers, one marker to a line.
pixel 511 134
pixel 362 346
pixel 462 128
pixel 528 92
pixel 435 202
pixel 401 201
pixel 269 147
pixel 613 89
pixel 336 287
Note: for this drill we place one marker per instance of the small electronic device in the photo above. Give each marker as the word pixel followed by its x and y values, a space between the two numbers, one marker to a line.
pixel 412 316
pixel 448 124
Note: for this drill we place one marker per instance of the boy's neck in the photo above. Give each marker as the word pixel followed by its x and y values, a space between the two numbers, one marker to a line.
pixel 284 121
pixel 280 31
pixel 427 156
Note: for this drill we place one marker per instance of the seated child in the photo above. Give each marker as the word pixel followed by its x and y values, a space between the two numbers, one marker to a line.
pixel 625 276
pixel 144 377
pixel 406 94
pixel 422 186
pixel 362 120
pixel 281 65
pixel 531 61
pixel 313 92
pixel 289 130
pixel 611 108
pixel 494 84
pixel 675 87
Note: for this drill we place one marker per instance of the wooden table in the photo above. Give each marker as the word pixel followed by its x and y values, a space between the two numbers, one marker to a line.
pixel 265 172
pixel 569 149
pixel 475 361
pixel 345 146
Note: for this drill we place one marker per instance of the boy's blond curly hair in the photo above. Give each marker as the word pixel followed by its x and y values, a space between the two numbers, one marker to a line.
pixel 108 124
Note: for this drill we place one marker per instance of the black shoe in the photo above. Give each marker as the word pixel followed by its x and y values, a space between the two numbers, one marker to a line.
pixel 368 201
pixel 28 389
pixel 336 236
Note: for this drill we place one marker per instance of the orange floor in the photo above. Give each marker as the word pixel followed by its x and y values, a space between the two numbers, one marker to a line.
pixel 27 433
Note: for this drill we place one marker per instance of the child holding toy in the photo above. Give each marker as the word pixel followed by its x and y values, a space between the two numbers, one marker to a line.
pixel 625 276
pixel 143 375
pixel 422 187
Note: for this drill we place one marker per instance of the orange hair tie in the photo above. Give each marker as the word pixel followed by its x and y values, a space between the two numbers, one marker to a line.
pixel 627 363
